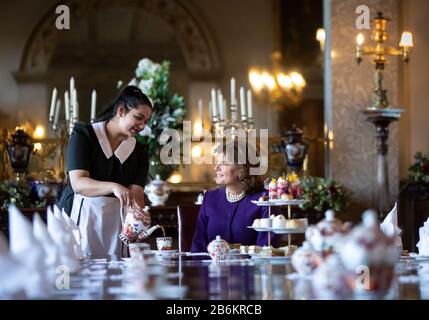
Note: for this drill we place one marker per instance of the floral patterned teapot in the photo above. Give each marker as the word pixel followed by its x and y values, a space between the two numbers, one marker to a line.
pixel 157 191
pixel 218 249
pixel 136 225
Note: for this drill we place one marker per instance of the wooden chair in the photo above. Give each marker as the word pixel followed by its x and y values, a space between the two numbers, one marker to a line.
pixel 187 215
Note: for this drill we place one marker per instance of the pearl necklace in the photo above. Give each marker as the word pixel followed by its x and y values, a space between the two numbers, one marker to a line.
pixel 232 197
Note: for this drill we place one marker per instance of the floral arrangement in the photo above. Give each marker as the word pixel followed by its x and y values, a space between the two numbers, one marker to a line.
pixel 18 193
pixel 168 110
pixel 418 172
pixel 323 194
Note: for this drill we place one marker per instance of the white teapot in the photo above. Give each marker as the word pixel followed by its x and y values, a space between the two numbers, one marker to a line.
pixel 157 191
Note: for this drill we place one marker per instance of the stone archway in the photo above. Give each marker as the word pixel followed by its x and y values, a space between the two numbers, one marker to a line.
pixel 196 42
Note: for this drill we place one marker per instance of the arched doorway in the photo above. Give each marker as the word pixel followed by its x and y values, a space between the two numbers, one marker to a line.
pixel 106 40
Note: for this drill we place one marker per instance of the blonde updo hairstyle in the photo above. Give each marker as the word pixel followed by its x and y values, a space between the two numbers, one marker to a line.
pixel 236 152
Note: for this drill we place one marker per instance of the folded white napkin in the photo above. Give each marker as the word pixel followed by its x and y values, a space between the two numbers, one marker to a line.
pixel 59 215
pixel 52 255
pixel 63 239
pixel 423 244
pixel 28 251
pixel 74 229
pixel 390 226
pixel 11 274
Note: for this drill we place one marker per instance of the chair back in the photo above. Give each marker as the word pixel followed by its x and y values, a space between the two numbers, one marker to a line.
pixel 187 215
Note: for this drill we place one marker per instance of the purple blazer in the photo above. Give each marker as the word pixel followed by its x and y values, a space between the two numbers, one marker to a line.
pixel 217 216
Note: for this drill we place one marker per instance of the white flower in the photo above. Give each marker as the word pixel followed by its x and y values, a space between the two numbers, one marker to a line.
pixel 145 85
pixel 178 113
pixel 139 72
pixel 147 131
pixel 120 83
pixel 147 67
pixel 144 64
pixel 133 82
pixel 143 67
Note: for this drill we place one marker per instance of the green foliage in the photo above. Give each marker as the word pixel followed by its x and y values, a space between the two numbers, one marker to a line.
pixel 323 194
pixel 418 172
pixel 168 110
pixel 18 193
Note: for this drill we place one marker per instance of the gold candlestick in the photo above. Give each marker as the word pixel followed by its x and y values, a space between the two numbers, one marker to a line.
pixel 379 52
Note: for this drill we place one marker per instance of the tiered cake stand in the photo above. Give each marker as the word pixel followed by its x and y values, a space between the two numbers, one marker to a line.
pixel 280 203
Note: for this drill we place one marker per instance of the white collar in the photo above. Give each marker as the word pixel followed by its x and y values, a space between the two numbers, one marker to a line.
pixel 122 152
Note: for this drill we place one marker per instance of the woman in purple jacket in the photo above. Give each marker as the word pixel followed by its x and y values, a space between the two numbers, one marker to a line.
pixel 228 211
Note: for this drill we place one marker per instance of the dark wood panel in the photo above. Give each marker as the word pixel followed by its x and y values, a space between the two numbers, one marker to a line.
pixel 413 211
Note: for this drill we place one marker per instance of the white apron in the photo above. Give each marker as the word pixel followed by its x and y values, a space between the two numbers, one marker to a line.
pixel 99 221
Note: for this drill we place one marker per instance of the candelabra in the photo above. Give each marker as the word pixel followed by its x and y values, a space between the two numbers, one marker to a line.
pixel 223 122
pixel 379 111
pixel 62 127
pixel 62 131
pixel 379 52
pixel 220 127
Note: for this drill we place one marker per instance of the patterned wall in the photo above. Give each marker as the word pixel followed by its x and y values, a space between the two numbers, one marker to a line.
pixel 353 158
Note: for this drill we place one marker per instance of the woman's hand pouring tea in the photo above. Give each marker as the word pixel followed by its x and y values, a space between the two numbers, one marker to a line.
pixel 124 195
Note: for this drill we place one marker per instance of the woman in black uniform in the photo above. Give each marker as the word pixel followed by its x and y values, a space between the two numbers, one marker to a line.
pixel 107 170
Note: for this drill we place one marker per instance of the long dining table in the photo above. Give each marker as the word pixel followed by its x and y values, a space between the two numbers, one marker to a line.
pixel 185 276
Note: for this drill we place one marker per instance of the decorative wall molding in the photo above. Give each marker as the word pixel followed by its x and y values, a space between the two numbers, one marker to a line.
pixel 193 36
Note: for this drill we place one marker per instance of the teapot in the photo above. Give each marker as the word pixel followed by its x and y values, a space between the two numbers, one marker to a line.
pixel 136 225
pixel 326 235
pixel 368 246
pixel 157 191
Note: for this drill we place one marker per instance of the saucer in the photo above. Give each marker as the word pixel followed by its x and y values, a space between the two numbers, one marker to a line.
pixel 417 256
pixel 165 251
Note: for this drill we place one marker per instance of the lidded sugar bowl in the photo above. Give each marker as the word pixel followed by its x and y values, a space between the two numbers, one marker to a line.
pixel 218 249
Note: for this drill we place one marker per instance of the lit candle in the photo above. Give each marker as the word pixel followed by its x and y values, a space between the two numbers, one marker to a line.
pixel 321 37
pixel 53 100
pixel 57 113
pixel 71 85
pixel 359 40
pixel 93 105
pixel 39 132
pixel 249 104
pixel 214 107
pixel 225 111
pixel 200 112
pixel 67 105
pixel 233 98
pixel 220 105
pixel 211 117
pixel 74 105
pixel 242 104
pixel 406 44
pixel 406 39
